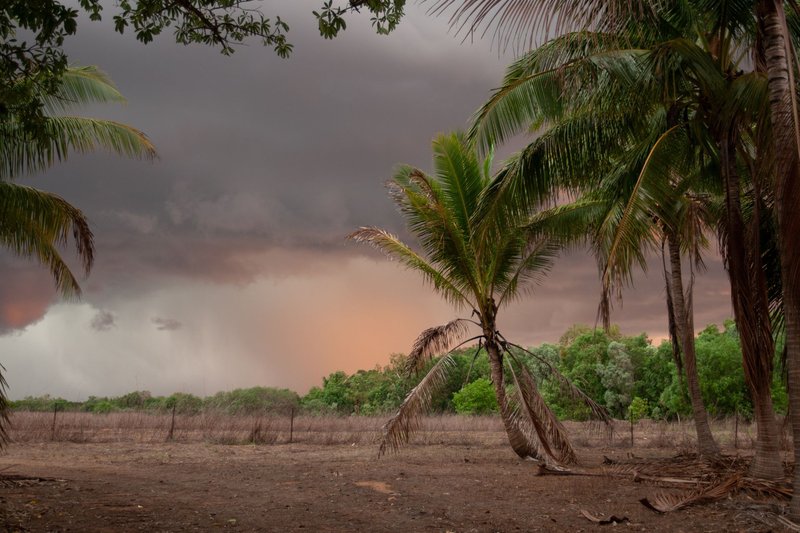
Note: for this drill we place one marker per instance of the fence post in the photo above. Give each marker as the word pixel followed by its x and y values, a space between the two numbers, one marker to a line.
pixel 736 431
pixel 291 425
pixel 172 424
pixel 55 412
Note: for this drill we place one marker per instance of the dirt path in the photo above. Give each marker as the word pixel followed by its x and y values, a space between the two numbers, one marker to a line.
pixel 202 487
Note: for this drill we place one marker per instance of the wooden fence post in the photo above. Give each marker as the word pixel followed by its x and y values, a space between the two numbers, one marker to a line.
pixel 172 424
pixel 291 425
pixel 55 412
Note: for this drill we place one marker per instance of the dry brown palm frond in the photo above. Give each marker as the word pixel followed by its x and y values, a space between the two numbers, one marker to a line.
pixel 399 428
pixel 664 502
pixel 433 341
pixel 597 411
pixel 690 466
pixel 552 435
pixel 5 423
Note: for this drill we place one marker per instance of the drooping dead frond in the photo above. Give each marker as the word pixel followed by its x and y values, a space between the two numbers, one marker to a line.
pixel 553 437
pixel 399 428
pixel 472 362
pixel 597 411
pixel 433 341
pixel 5 423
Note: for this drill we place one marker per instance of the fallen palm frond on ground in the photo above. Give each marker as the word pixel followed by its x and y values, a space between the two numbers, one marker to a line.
pixel 713 479
pixel 709 479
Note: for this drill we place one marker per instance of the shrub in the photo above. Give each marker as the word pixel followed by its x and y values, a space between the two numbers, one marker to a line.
pixel 476 398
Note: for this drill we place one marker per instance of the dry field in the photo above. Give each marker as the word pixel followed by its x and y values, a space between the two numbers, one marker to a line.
pixel 117 472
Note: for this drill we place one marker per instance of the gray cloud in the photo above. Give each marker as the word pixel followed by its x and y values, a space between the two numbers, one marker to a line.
pixel 103 320
pixel 166 324
pixel 264 166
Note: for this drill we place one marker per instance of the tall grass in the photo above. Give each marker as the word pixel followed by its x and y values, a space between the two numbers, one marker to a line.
pixel 218 427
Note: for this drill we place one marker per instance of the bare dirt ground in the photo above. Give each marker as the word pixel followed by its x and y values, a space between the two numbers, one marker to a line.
pixel 300 487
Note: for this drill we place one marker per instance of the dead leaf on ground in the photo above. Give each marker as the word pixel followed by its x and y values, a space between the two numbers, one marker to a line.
pixel 613 519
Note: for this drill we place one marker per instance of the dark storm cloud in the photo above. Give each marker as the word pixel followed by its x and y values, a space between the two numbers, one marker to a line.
pixel 264 166
pixel 103 320
pixel 166 324
pixel 256 151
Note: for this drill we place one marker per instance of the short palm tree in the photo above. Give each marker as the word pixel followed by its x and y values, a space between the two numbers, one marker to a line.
pixel 35 224
pixel 478 262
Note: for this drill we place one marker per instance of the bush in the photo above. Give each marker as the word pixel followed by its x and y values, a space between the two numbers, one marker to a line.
pixel 476 398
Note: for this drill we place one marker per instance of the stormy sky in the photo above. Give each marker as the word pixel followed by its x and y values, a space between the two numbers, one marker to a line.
pixel 223 263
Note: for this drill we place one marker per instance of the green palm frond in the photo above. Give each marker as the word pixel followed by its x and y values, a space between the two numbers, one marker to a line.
pixel 634 223
pixel 538 87
pixel 530 269
pixel 523 22
pixel 79 86
pixel 34 224
pixel 65 135
pixel 396 249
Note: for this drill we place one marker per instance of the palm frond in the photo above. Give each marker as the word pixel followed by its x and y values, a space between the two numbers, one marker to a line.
pixel 433 341
pixel 531 268
pixel 82 85
pixel 406 421
pixel 552 435
pixel 396 249
pixel 5 409
pixel 64 135
pixel 34 223
pixel 598 411
pixel 541 86
pixel 664 502
pixel 522 22
pixel 635 222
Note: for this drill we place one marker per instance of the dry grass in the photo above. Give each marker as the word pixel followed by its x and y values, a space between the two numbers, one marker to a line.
pixel 221 428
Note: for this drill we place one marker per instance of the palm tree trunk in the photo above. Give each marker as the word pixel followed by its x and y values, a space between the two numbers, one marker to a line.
pixel 683 324
pixel 783 111
pixel 521 444
pixel 750 309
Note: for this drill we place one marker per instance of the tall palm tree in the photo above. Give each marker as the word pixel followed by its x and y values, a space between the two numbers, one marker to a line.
pixel 478 263
pixel 615 161
pixel 685 59
pixel 35 224
pixel 778 58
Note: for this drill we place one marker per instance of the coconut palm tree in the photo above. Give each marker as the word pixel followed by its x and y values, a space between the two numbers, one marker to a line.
pixel 478 264
pixel 778 57
pixel 615 161
pixel 35 224
pixel 688 64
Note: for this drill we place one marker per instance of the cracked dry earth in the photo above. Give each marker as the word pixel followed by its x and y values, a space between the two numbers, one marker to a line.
pixel 118 487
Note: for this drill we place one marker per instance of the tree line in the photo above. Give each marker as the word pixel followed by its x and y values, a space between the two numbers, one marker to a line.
pixel 617 371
